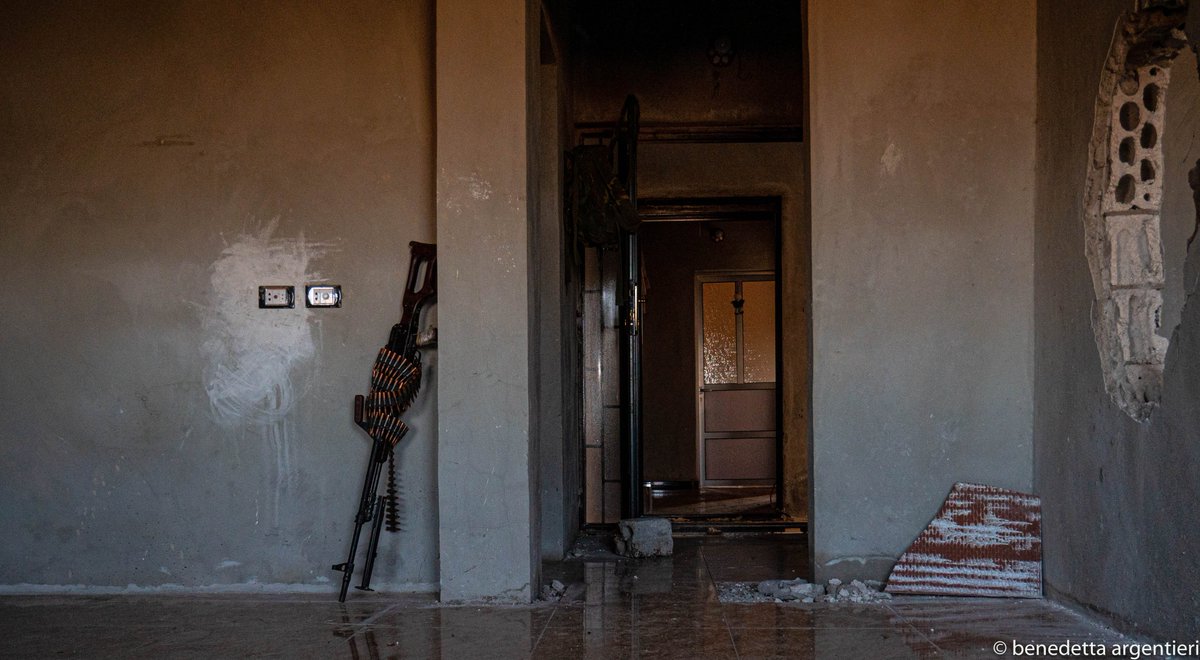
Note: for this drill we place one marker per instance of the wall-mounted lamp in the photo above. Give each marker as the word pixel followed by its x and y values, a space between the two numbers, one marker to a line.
pixel 720 50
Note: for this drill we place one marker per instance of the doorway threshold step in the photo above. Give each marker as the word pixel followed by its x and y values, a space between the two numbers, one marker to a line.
pixel 699 526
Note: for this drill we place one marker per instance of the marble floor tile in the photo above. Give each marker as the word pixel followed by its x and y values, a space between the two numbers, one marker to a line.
pixel 797 615
pixel 636 641
pixel 644 612
pixel 971 626
pixel 753 560
pixel 613 608
pixel 831 643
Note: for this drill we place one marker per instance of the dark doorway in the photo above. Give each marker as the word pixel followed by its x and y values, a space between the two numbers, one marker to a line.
pixel 710 358
pixel 721 90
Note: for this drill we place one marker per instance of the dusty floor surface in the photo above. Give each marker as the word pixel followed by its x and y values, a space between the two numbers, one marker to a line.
pixel 612 608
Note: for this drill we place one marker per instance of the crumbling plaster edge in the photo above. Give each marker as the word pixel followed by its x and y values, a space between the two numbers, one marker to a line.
pixel 1132 373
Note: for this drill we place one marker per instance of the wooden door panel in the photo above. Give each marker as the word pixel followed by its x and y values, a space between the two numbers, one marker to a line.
pixel 738 459
pixel 728 411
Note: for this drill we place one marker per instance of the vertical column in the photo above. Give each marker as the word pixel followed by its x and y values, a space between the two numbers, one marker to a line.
pixel 486 493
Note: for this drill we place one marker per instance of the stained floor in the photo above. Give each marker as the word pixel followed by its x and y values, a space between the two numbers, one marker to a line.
pixel 665 608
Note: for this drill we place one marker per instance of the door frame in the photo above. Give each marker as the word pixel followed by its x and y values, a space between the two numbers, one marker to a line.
pixel 750 207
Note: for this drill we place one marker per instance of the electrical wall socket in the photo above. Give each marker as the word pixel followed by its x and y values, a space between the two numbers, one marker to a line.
pixel 276 297
pixel 323 295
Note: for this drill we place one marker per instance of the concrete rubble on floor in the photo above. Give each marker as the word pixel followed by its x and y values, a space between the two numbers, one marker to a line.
pixel 644 537
pixel 833 591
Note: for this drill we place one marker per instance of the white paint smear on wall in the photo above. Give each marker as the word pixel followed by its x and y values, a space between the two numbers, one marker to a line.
pixel 251 354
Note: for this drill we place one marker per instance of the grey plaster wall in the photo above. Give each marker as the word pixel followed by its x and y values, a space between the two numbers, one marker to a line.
pixel 553 312
pixel 1118 496
pixel 488 451
pixel 922 137
pixel 558 500
pixel 158 162
pixel 1178 219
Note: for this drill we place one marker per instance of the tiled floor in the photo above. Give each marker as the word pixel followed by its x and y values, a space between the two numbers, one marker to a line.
pixel 663 608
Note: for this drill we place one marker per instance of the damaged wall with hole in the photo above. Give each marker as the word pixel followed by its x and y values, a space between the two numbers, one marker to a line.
pixel 1118 494
pixel 922 139
pixel 160 162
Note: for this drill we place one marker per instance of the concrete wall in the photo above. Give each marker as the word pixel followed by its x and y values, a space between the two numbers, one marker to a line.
pixel 159 162
pixel 488 454
pixel 1178 219
pixel 1118 496
pixel 922 233
pixel 553 313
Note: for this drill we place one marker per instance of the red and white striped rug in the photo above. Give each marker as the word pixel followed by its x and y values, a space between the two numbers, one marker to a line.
pixel 985 541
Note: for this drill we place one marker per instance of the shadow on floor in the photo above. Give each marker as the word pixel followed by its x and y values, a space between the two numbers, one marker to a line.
pixel 721 501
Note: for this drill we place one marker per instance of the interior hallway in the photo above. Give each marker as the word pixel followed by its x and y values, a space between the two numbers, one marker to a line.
pixel 612 608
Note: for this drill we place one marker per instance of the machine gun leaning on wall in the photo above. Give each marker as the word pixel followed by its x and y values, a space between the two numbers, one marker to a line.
pixel 395 379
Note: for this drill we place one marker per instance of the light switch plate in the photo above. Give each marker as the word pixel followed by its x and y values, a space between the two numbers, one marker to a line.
pixel 323 295
pixel 276 296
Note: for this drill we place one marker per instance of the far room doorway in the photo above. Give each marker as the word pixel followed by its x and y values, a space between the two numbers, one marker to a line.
pixel 710 358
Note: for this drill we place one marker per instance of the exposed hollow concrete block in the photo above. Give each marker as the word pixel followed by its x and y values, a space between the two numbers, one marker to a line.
pixel 1143 382
pixel 1138 311
pixel 1135 257
pixel 1137 116
pixel 1122 202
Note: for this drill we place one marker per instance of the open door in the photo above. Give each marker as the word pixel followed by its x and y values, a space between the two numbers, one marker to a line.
pixel 631 339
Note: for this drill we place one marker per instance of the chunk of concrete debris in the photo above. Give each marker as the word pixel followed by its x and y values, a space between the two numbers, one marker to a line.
pixel 862 592
pixel 857 591
pixel 644 537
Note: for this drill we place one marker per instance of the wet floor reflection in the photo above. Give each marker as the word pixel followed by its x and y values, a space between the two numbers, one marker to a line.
pixel 445 632
pixel 613 608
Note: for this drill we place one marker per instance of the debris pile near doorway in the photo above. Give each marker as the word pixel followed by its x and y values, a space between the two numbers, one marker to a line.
pixel 553 591
pixel 833 591
pixel 644 537
pixel 984 541
pixel 741 592
pixel 592 545
pixel 803 591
